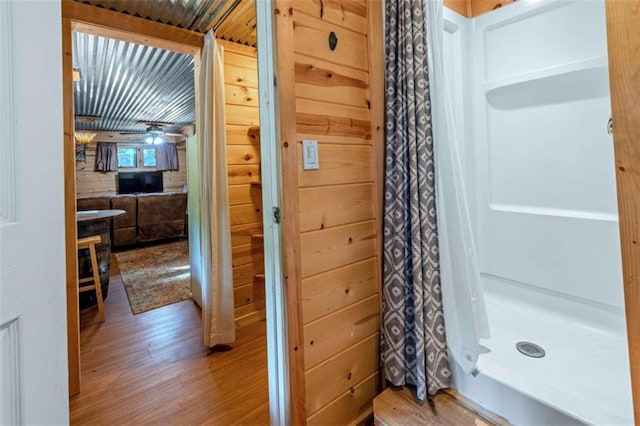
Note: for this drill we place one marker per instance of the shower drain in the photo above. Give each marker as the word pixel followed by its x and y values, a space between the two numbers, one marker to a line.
pixel 530 349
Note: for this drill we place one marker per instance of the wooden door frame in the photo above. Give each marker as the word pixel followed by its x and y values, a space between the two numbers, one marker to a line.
pixel 283 402
pixel 92 20
pixel 623 38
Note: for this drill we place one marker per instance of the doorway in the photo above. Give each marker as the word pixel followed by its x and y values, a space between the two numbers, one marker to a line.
pixel 242 146
pixel 132 105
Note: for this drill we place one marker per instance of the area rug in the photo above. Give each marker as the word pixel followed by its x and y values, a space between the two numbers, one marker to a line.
pixel 155 276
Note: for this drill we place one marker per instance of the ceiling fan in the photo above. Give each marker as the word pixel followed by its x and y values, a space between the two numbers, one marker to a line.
pixel 155 132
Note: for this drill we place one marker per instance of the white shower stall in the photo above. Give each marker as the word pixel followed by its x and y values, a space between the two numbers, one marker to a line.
pixel 530 92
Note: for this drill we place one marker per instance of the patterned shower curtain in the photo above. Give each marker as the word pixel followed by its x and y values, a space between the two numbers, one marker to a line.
pixel 414 348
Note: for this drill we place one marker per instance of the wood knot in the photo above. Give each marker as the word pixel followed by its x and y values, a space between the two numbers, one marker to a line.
pixel 347 291
pixel 350 240
pixel 333 41
pixel 247 157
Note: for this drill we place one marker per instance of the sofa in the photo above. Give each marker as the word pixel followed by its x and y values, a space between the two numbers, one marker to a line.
pixel 93 203
pixel 125 229
pixel 147 217
pixel 161 216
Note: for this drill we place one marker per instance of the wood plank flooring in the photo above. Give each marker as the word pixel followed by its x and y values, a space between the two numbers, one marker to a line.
pixel 395 407
pixel 153 368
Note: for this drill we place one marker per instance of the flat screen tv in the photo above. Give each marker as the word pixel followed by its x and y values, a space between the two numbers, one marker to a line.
pixel 139 182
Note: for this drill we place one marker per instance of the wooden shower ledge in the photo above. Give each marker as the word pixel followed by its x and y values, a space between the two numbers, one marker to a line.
pixel 399 408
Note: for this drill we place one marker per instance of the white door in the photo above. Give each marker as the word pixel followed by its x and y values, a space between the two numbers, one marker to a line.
pixel 33 354
pixel 193 209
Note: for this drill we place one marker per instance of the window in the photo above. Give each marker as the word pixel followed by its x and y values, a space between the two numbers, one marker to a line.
pixel 127 157
pixel 148 157
pixel 136 156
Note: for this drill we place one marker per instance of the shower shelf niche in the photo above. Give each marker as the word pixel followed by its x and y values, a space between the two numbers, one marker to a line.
pixel 586 68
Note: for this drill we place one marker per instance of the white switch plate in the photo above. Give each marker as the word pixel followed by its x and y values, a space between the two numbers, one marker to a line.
pixel 310 160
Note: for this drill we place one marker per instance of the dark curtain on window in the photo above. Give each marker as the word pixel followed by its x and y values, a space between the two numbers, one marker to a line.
pixel 167 157
pixel 107 157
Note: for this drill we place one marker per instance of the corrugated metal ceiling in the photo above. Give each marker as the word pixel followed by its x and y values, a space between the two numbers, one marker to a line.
pixel 126 82
pixel 233 20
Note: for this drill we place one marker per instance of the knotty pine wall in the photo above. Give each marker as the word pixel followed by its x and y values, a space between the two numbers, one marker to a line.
pixel 245 196
pixel 90 183
pixel 338 240
pixel 472 8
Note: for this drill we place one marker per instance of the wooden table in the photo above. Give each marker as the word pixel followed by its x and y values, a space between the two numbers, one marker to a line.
pixel 95 222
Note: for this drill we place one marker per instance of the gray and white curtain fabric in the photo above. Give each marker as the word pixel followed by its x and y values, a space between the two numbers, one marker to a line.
pixel 167 157
pixel 414 348
pixel 107 157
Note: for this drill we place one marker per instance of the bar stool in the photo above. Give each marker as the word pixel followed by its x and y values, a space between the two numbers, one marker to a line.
pixel 90 243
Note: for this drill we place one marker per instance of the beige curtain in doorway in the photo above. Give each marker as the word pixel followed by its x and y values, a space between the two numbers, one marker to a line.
pixel 217 275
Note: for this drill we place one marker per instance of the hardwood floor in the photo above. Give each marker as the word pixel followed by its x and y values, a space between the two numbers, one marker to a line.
pixel 399 407
pixel 153 368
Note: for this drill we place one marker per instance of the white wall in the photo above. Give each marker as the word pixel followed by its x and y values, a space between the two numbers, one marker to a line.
pixel 457 71
pixel 544 169
pixel 540 169
pixel 32 274
pixel 458 78
pixel 193 208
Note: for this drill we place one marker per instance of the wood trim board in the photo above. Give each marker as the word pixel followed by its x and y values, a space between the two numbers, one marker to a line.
pixel 285 83
pixel 73 319
pixel 107 23
pixel 479 7
pixel 623 34
pixel 473 8
pixel 376 104
pixel 463 7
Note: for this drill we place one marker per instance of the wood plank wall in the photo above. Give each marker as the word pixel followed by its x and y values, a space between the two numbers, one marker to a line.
pixel 245 195
pixel 478 7
pixel 90 183
pixel 623 37
pixel 472 8
pixel 338 228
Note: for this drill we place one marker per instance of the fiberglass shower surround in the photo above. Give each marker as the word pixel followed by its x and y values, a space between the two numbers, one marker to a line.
pixel 529 90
